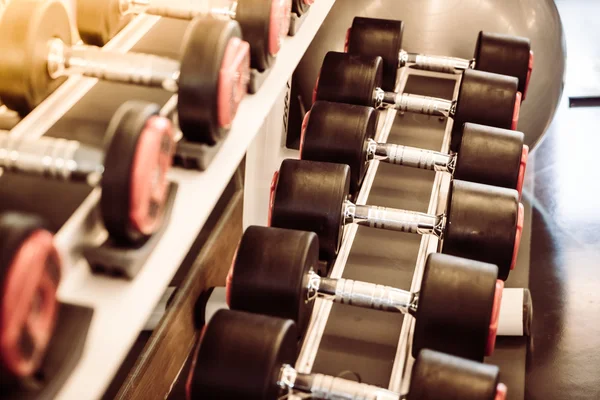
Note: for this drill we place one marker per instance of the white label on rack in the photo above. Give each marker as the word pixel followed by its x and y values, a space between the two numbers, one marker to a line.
pixel 511 313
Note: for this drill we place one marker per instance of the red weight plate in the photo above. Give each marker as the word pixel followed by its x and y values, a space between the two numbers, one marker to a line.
pixel 279 25
pixel 234 76
pixel 493 329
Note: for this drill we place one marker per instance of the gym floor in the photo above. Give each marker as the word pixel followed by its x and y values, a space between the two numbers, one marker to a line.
pixel 562 187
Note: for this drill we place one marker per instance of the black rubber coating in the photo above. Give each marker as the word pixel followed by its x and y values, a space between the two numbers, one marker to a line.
pixel 490 155
pixel 254 17
pixel 122 136
pixel 484 98
pixel 26 28
pixel 503 54
pixel 349 78
pixel 270 274
pixel 241 355
pixel 482 224
pixel 338 133
pixel 309 197
pixel 455 306
pixel 100 21
pixel 300 7
pixel 441 376
pixel 372 37
pixel 206 40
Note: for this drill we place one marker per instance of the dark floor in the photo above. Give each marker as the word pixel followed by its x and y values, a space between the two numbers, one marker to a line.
pixel 564 360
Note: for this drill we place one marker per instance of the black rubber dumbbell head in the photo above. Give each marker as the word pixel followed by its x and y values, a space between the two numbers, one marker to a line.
pixel 351 79
pixel 205 44
pixel 437 376
pixel 482 223
pixel 240 356
pixel 490 155
pixel 270 274
pixel 373 37
pixel 455 306
pixel 484 98
pixel 338 133
pixel 27 26
pixel 309 197
pixel 100 21
pixel 505 55
pixel 139 148
pixel 30 272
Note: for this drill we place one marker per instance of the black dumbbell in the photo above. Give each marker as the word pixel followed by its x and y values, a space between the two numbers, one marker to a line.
pixel 456 309
pixel 484 98
pixel 210 80
pixel 132 171
pixel 481 222
pixel 30 271
pixel 264 23
pixel 497 53
pixel 343 133
pixel 250 356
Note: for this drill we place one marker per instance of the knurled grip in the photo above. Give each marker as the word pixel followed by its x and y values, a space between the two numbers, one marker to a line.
pixel 396 220
pixel 422 104
pixel 330 388
pixel 370 295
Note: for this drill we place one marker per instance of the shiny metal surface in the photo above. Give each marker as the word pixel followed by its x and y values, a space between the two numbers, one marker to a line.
pixel 450 28
pixel 406 102
pixel 449 65
pixel 410 156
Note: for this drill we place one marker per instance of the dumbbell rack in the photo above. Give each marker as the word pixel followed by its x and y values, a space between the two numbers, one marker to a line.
pixel 122 307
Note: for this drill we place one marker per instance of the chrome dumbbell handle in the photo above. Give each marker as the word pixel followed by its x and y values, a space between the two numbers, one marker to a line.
pixel 365 295
pixel 327 387
pixel 91 61
pixel 451 65
pixel 55 158
pixel 393 219
pixel 180 9
pixel 410 156
pixel 414 103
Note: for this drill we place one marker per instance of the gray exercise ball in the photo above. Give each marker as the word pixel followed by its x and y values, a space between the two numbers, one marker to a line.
pixel 450 27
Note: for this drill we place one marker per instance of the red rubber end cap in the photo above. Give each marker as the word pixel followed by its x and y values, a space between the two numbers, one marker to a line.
pixel 272 195
pixel 229 279
pixel 520 223
pixel 303 131
pixel 29 308
pixel 529 71
pixel 501 392
pixel 522 168
pixel 149 183
pixel 347 40
pixel 314 94
pixel 493 328
pixel 516 111
pixel 279 24
pixel 234 76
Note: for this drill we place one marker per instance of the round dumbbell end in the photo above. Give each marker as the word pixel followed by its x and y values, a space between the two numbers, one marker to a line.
pixel 437 375
pixel 489 155
pixel 100 21
pixel 272 190
pixel 271 273
pixel 482 222
pixel 338 133
pixel 250 347
pixel 522 169
pixel 279 24
pixel 518 235
pixel 303 132
pixel 455 306
pixel 484 98
pixel 139 151
pixel 504 55
pixel 30 272
pixel 493 328
pixel 213 79
pixel 372 37
pixel 529 71
pixel 350 79
pixel 28 26
pixel 309 197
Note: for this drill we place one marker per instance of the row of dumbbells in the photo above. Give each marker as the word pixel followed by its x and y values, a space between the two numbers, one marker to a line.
pixel 279 270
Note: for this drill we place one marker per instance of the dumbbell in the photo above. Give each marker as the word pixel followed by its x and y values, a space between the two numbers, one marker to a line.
pixel 264 23
pixel 301 7
pixel 250 356
pixel 484 98
pixel 275 273
pixel 343 133
pixel 30 271
pixel 481 222
pixel 210 80
pixel 497 53
pixel 132 171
